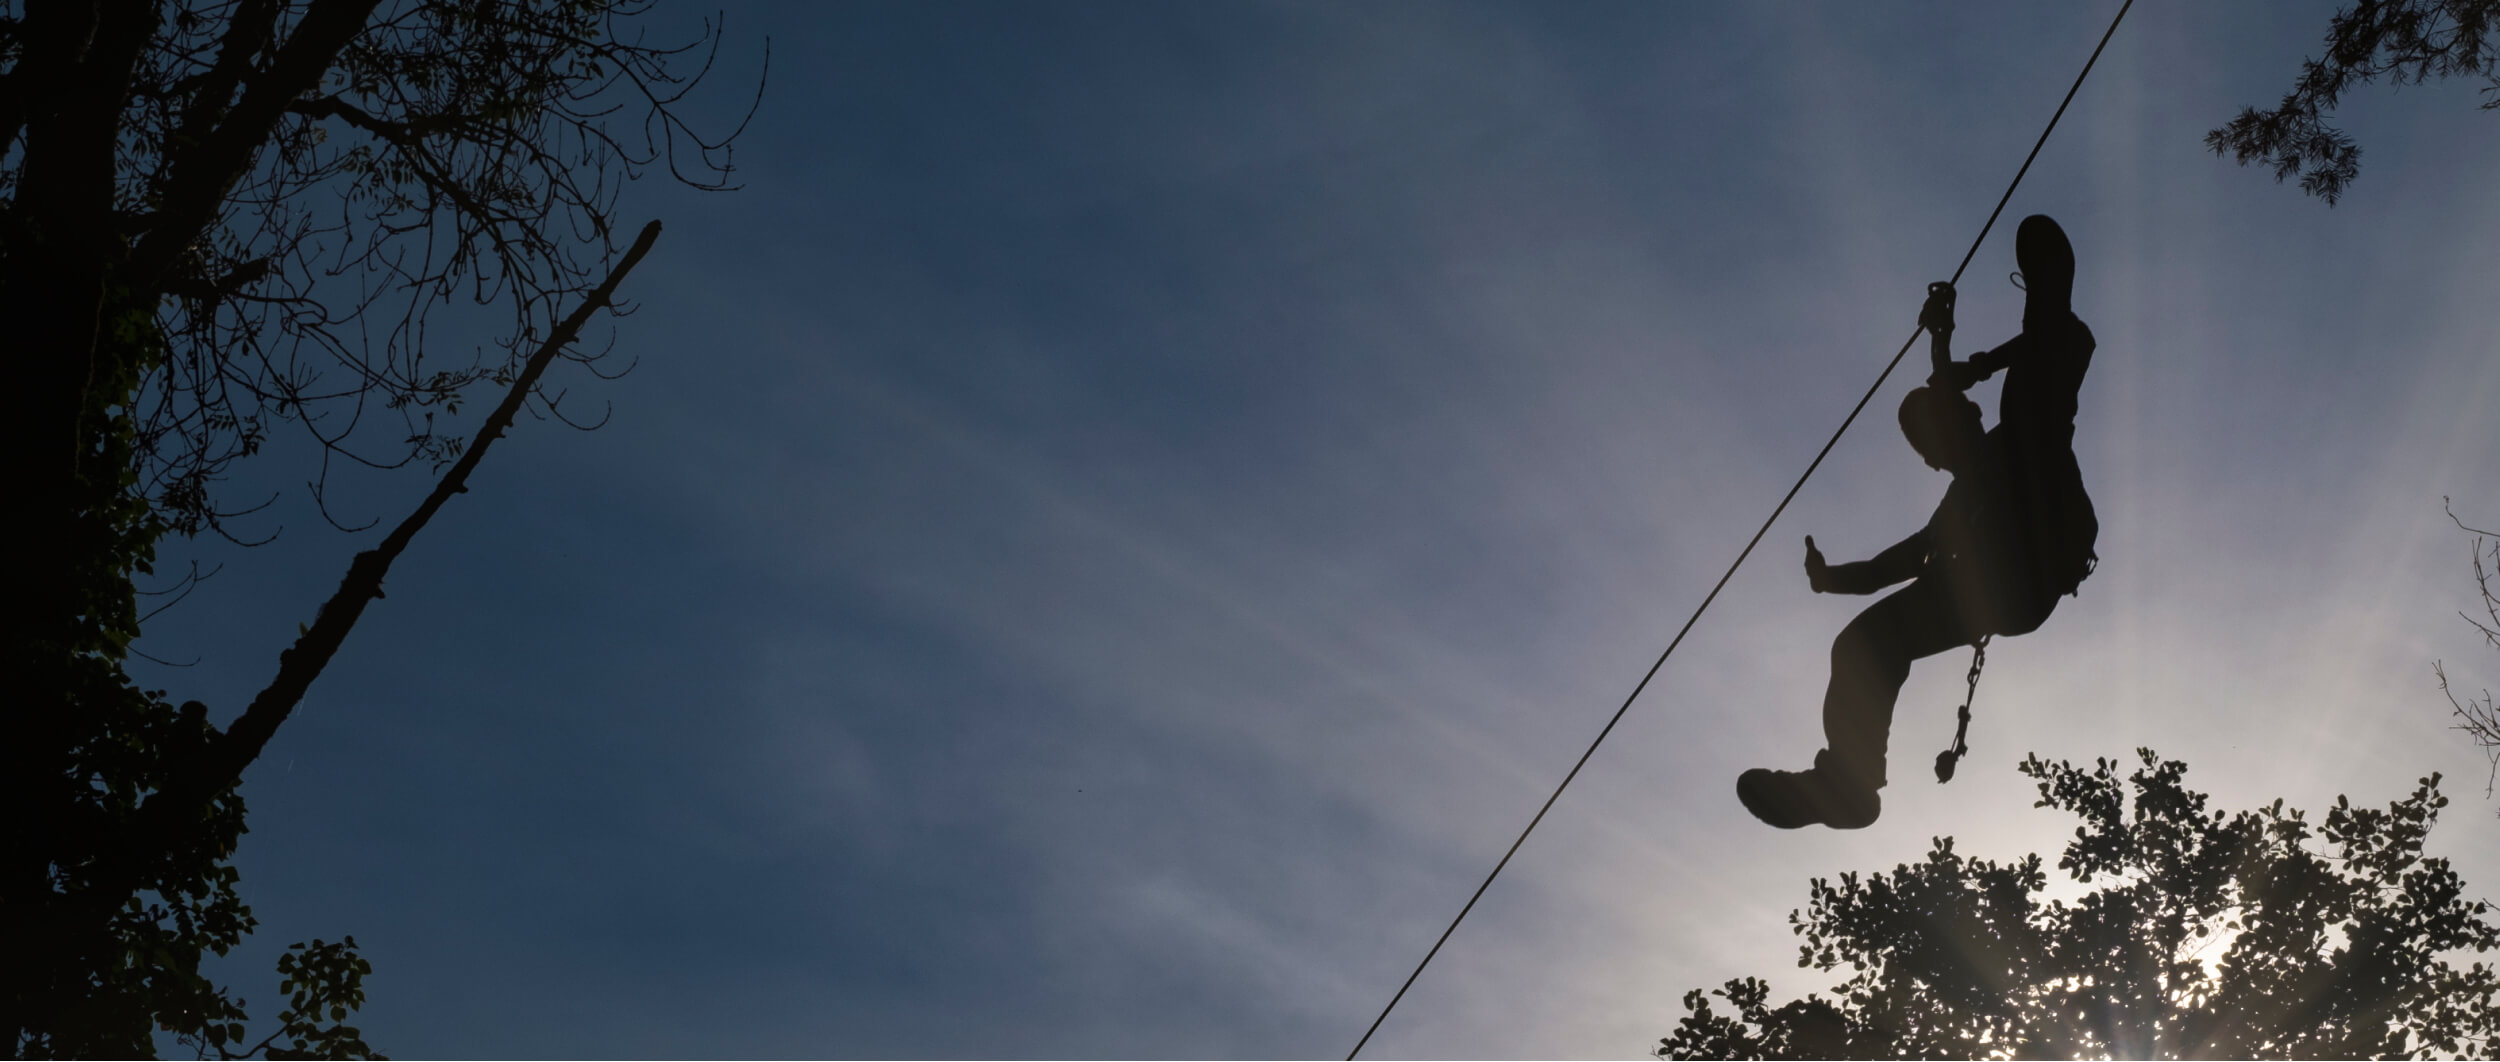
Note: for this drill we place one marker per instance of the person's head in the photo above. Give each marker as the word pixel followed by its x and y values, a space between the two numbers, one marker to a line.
pixel 2047 260
pixel 1943 426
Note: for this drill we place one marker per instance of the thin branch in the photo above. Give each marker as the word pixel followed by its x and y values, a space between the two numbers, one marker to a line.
pixel 2452 517
pixel 202 177
pixel 179 591
pixel 2480 720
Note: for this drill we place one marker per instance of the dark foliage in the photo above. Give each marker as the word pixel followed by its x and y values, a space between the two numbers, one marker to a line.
pixel 2405 41
pixel 2248 935
pixel 220 219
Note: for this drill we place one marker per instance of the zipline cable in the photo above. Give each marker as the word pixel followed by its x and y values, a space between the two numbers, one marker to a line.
pixel 1750 544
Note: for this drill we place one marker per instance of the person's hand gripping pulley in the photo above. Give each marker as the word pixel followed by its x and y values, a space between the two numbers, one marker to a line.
pixel 1936 316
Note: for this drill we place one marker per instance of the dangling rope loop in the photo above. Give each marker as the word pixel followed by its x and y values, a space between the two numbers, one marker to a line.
pixel 1776 510
pixel 1952 757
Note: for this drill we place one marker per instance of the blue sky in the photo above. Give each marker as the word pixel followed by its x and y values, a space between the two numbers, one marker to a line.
pixel 1122 519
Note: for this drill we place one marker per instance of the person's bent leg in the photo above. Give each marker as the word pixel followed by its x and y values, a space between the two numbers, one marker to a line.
pixel 1870 660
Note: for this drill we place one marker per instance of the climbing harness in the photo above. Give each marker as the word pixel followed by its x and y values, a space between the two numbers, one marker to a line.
pixel 1765 529
pixel 1952 757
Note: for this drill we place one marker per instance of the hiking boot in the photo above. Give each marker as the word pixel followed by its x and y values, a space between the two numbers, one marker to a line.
pixel 1790 799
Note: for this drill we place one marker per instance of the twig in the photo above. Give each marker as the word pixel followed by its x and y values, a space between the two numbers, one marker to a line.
pixel 2480 721
pixel 2452 516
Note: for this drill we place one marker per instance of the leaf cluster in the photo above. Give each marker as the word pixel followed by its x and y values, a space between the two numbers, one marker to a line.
pixel 2205 934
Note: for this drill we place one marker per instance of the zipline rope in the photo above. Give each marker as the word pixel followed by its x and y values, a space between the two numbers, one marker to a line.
pixel 1749 545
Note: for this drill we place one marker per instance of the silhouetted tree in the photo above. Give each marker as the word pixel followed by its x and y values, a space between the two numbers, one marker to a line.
pixel 2480 720
pixel 2406 41
pixel 219 218
pixel 2208 935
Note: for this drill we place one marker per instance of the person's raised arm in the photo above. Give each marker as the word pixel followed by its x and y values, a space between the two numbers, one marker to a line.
pixel 1986 363
pixel 1936 316
pixel 1963 375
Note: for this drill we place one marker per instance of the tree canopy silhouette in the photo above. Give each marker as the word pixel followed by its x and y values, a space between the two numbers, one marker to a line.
pixel 220 219
pixel 2205 934
pixel 2405 41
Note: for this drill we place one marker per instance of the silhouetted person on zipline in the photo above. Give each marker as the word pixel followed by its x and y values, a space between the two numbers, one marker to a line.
pixel 2013 534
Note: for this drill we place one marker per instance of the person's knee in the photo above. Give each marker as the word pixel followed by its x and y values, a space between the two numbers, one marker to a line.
pixel 1848 649
pixel 1864 646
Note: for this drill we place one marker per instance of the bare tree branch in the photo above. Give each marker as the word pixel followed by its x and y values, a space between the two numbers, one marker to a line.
pixel 299 666
pixel 2479 720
